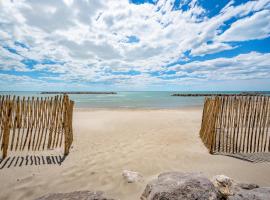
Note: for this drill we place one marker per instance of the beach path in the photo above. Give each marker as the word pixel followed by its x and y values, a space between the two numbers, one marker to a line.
pixel 106 142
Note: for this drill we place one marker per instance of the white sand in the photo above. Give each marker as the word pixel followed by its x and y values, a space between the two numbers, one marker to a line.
pixel 109 141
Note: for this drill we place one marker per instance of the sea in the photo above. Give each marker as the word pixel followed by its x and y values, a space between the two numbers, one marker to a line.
pixel 133 99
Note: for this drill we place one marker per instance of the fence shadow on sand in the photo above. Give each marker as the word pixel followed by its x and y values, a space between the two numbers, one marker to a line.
pixel 31 160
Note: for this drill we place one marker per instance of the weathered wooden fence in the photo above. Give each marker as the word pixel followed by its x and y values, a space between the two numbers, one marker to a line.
pixel 35 123
pixel 236 124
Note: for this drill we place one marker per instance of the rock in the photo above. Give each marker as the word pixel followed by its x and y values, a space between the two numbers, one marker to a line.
pixel 180 186
pixel 231 190
pixel 262 193
pixel 131 176
pixel 247 186
pixel 224 184
pixel 78 195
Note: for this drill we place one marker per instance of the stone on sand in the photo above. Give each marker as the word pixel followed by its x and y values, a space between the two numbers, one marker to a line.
pixel 178 185
pixel 190 186
pixel 225 185
pixel 132 176
pixel 231 190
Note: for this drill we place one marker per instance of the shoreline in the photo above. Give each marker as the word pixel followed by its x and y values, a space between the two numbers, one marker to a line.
pixel 89 109
pixel 220 94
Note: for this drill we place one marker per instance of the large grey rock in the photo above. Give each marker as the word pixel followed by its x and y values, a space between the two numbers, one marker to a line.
pixel 180 186
pixel 78 195
pixel 251 194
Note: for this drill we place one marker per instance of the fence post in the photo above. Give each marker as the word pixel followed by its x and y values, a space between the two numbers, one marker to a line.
pixel 6 128
pixel 213 131
pixel 66 124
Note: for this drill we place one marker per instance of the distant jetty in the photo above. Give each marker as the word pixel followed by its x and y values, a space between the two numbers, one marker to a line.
pixel 78 93
pixel 219 94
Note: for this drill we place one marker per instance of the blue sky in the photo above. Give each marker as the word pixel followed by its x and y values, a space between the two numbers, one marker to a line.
pixel 135 45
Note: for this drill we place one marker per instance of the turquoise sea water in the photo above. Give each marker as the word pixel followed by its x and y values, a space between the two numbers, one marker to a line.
pixel 144 100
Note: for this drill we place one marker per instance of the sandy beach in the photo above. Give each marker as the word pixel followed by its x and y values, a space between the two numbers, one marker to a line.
pixel 106 142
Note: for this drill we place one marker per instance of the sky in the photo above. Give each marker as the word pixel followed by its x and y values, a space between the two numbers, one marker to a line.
pixel 104 45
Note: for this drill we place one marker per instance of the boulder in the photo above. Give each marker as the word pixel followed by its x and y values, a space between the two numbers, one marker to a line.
pixel 78 195
pixel 180 186
pixel 262 193
pixel 131 176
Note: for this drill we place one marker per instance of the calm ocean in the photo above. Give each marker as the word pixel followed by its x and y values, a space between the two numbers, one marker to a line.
pixel 145 100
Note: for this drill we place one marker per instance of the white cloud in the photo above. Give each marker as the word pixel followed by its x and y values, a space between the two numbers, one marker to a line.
pixel 244 66
pixel 90 38
pixel 256 26
pixel 11 61
pixel 210 48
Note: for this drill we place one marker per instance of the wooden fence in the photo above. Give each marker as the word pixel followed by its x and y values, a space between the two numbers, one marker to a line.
pixel 236 124
pixel 35 123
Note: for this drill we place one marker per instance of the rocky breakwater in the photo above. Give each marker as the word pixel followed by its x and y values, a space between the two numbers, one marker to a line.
pixel 219 94
pixel 83 92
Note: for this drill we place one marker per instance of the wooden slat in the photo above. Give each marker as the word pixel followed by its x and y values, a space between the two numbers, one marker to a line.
pixel 6 128
pixel 14 119
pixel 44 122
pixel 28 121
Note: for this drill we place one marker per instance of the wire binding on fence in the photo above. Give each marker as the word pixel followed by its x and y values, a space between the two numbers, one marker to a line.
pixel 35 124
pixel 236 124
